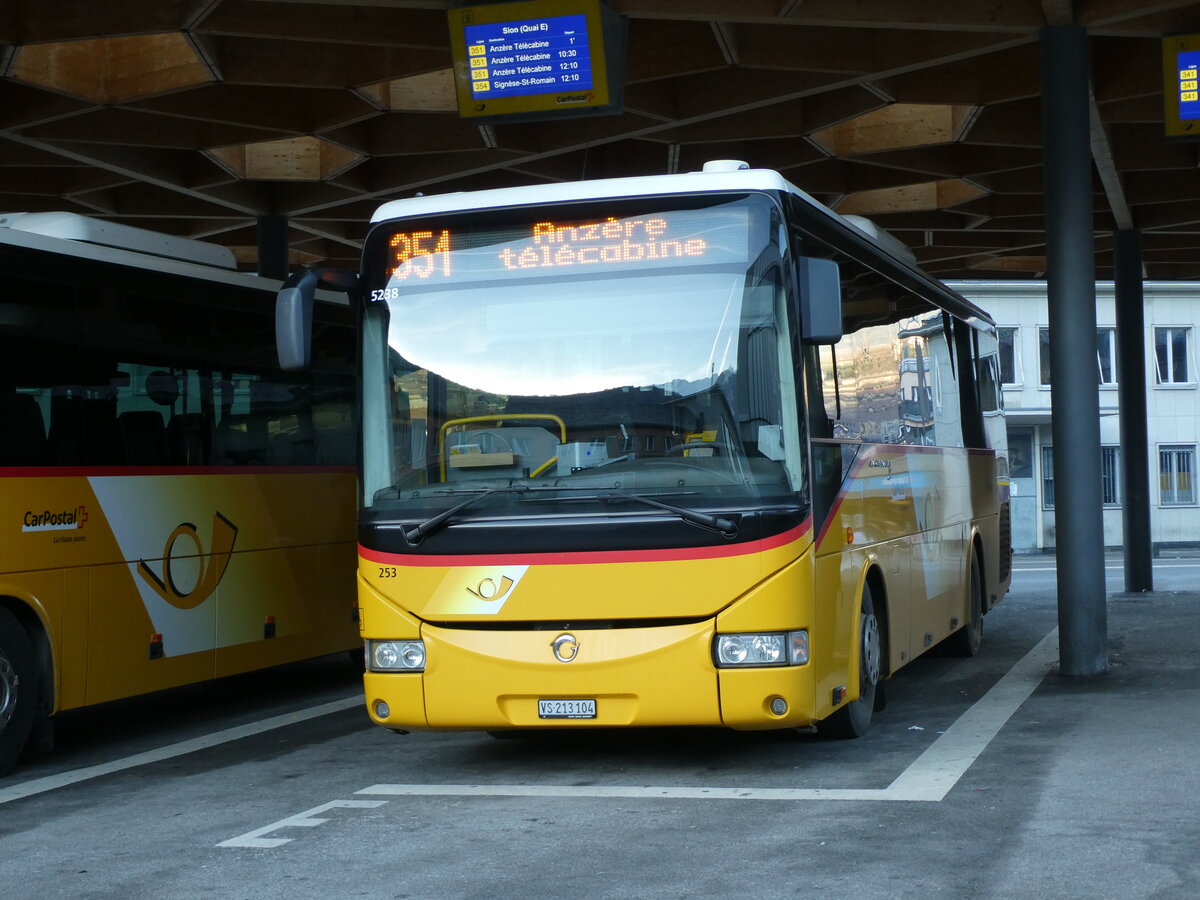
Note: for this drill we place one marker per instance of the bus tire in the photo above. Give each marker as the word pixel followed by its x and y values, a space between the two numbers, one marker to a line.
pixel 18 689
pixel 968 639
pixel 853 719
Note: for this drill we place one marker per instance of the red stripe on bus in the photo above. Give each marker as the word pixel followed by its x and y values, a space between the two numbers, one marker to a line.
pixel 860 460
pixel 135 471
pixel 584 557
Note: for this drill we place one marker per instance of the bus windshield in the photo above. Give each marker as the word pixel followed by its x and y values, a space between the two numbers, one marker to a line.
pixel 629 346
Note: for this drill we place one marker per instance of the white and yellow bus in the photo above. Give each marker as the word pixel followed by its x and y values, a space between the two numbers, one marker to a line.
pixel 673 450
pixel 173 507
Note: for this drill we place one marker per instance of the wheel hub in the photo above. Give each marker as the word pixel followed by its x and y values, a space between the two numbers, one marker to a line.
pixel 8 692
pixel 870 649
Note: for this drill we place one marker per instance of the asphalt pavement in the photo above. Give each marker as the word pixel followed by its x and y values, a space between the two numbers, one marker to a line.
pixel 994 777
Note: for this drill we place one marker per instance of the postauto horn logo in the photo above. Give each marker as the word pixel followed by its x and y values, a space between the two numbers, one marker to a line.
pixel 212 564
pixel 49 520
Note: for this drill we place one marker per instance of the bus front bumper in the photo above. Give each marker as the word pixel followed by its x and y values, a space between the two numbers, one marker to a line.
pixel 653 676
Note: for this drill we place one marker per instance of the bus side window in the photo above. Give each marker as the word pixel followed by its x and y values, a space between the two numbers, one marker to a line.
pixel 23 439
pixel 821 388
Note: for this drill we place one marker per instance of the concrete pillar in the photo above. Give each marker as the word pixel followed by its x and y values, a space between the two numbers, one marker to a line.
pixel 1131 397
pixel 1071 284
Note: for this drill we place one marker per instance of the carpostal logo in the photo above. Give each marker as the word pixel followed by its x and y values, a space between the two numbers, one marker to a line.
pixel 574 98
pixel 212 564
pixel 51 520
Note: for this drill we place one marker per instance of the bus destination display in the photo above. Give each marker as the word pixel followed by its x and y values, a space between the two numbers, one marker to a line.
pixel 534 56
pixel 668 239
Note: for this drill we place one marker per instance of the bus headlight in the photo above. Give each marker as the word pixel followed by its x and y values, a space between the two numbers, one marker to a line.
pixel 788 648
pixel 396 656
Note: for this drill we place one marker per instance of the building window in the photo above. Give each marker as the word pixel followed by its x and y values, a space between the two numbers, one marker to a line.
pixel 1106 355
pixel 1176 476
pixel 1171 355
pixel 1048 477
pixel 1110 478
pixel 1008 355
pixel 1044 355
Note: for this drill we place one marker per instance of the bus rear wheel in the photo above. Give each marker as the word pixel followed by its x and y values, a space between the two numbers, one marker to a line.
pixel 18 689
pixel 853 719
pixel 968 639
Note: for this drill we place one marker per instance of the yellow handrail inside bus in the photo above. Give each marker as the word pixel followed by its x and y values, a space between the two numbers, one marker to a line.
pixel 498 420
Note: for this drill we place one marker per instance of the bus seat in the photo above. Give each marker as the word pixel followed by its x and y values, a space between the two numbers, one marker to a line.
pixel 102 441
pixel 23 440
pixel 241 440
pixel 65 437
pixel 185 439
pixel 144 437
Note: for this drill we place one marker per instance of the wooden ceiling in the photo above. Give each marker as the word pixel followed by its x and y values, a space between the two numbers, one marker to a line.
pixel 196 117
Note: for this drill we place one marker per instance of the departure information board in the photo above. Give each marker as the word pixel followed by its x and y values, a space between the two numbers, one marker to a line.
pixel 534 56
pixel 537 59
pixel 1181 86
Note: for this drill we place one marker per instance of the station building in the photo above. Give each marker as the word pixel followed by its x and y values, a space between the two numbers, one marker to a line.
pixel 1172 310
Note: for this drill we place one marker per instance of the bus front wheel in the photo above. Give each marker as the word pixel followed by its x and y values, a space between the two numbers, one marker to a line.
pixel 853 719
pixel 18 689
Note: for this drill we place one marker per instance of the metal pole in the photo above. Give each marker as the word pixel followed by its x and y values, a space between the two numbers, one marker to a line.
pixel 273 247
pixel 1131 397
pixel 1071 287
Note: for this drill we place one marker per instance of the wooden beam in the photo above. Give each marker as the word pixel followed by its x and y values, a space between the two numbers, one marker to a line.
pixel 322 24
pixel 290 110
pixel 291 63
pixel 153 167
pixel 117 126
pixel 1011 17
pixel 41 22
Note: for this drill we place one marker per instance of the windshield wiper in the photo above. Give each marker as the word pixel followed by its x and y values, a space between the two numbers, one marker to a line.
pixel 727 527
pixel 433 524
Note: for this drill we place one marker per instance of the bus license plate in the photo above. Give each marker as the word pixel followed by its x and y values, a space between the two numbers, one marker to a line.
pixel 566 709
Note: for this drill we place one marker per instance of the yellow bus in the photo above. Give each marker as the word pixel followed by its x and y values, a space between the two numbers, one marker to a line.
pixel 685 450
pixel 174 508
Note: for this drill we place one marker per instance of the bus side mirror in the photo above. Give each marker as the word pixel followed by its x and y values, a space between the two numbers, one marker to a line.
pixel 820 294
pixel 294 312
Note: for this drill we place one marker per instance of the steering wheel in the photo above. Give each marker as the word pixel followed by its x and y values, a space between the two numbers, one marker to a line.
pixel 696 445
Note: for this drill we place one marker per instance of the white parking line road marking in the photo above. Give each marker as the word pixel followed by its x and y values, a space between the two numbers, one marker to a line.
pixel 928 779
pixel 1157 566
pixel 62 779
pixel 621 792
pixel 938 769
pixel 306 819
